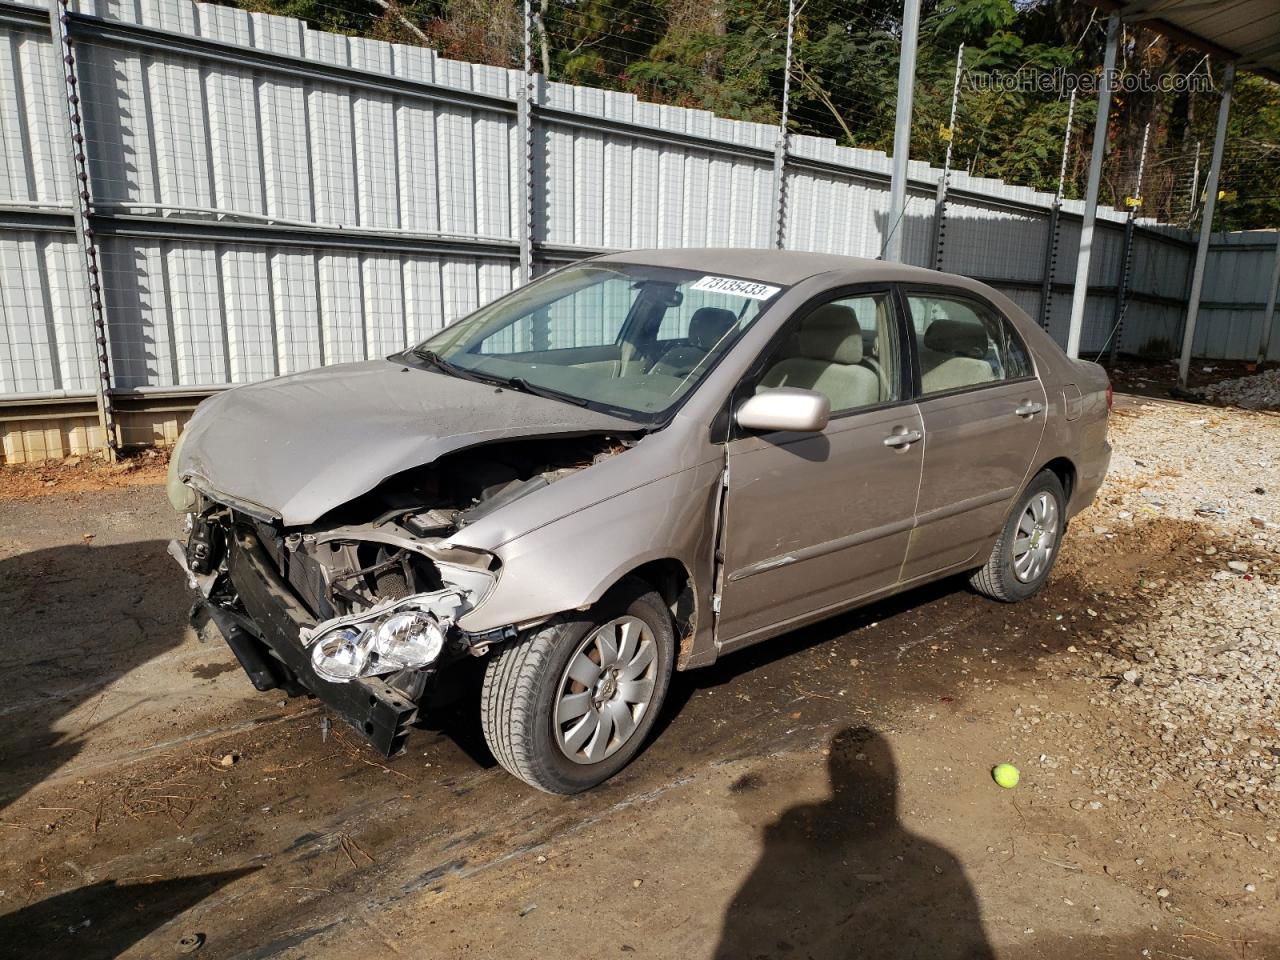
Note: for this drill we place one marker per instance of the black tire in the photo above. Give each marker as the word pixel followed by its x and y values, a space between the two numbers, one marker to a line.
pixel 522 690
pixel 997 579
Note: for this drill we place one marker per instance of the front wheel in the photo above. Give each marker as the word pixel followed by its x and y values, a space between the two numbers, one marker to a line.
pixel 1028 544
pixel 566 706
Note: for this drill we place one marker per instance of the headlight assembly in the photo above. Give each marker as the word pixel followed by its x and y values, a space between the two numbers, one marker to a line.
pixel 402 640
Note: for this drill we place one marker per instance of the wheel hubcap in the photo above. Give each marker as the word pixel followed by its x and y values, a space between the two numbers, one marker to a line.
pixel 1036 537
pixel 606 690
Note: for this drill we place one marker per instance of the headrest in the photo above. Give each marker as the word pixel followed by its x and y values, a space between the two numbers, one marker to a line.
pixel 709 324
pixel 830 333
pixel 959 338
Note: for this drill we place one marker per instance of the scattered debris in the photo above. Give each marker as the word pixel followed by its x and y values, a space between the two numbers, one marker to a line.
pixel 190 942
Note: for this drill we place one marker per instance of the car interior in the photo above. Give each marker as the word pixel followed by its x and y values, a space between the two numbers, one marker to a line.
pixel 831 353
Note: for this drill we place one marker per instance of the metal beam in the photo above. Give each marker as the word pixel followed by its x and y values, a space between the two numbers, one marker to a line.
pixel 944 181
pixel 524 124
pixel 779 225
pixel 67 51
pixel 1080 292
pixel 892 247
pixel 1269 314
pixel 1206 224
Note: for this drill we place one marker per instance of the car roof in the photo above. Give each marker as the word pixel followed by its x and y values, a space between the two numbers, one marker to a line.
pixel 784 267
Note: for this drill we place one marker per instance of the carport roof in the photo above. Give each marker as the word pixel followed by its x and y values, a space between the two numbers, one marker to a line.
pixel 1246 32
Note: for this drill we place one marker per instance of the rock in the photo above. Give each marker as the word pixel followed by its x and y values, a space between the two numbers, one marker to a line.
pixel 1163 893
pixel 229 759
pixel 1239 566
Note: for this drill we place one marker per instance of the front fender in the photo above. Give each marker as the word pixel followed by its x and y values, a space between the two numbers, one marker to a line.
pixel 571 563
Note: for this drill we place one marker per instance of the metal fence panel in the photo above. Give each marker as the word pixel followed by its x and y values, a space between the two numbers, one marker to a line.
pixel 387 178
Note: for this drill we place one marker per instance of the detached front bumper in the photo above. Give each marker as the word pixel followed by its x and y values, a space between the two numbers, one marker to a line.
pixel 267 644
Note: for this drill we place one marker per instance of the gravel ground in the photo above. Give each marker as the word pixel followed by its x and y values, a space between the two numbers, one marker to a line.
pixel 1258 392
pixel 837 779
pixel 1193 679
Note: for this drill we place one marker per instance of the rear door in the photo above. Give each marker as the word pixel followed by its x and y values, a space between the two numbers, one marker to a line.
pixel 984 413
pixel 813 520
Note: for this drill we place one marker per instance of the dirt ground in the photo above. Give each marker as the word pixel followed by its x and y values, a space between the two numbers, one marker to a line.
pixel 78 474
pixel 825 795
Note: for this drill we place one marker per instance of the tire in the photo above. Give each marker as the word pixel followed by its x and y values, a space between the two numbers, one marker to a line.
pixel 535 678
pixel 1010 576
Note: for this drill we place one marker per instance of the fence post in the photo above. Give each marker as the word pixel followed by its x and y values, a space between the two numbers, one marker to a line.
pixel 524 124
pixel 82 211
pixel 1126 255
pixel 1055 218
pixel 1206 224
pixel 779 226
pixel 892 249
pixel 940 203
pixel 1195 187
pixel 1080 291
pixel 1268 315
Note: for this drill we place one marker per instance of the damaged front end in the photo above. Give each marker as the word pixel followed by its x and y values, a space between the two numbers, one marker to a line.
pixel 361 607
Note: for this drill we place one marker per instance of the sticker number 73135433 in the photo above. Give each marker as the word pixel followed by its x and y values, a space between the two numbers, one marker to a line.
pixel 740 288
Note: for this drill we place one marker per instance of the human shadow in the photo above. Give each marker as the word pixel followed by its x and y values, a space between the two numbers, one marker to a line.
pixel 843 878
pixel 73 620
pixel 104 919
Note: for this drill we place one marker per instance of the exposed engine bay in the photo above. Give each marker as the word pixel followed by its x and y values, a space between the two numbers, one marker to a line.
pixel 378 576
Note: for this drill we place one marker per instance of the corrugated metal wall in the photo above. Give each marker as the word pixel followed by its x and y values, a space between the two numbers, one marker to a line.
pixel 269 198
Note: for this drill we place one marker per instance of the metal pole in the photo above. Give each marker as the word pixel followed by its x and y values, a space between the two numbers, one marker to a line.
pixel 940 203
pixel 892 249
pixel 1080 290
pixel 1206 224
pixel 82 211
pixel 524 125
pixel 1126 254
pixel 779 226
pixel 1195 186
pixel 1055 218
pixel 1268 315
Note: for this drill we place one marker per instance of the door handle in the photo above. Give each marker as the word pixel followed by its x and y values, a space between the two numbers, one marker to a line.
pixel 1028 409
pixel 904 439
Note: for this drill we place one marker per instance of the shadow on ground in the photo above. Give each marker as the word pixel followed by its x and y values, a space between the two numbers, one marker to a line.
pixel 844 878
pixel 73 620
pixel 105 919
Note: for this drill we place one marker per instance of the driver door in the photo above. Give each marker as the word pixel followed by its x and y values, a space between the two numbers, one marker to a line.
pixel 814 521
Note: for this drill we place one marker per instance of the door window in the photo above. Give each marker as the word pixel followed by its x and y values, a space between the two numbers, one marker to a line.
pixel 846 349
pixel 963 343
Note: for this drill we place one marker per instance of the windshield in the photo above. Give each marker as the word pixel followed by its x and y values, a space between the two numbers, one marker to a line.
pixel 628 339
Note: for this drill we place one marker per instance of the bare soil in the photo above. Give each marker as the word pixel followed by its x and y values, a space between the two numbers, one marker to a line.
pixel 25 481
pixel 825 795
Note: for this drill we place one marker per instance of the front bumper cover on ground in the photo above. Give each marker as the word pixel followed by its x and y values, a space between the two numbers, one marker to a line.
pixel 268 647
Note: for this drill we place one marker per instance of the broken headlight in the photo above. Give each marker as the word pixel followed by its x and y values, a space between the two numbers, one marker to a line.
pixel 406 639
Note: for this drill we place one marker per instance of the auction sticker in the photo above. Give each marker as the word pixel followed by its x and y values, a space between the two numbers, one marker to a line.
pixel 739 288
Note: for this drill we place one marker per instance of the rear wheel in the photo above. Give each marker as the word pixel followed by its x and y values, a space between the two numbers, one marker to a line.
pixel 566 706
pixel 1028 544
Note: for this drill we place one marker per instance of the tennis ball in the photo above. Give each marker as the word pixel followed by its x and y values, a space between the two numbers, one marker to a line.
pixel 1005 774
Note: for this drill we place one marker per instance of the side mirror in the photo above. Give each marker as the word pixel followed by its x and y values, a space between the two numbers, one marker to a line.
pixel 785 408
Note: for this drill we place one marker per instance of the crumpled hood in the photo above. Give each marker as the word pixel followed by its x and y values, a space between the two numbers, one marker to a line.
pixel 298 446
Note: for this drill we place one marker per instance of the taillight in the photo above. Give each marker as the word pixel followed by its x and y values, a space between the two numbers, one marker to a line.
pixel 1110 396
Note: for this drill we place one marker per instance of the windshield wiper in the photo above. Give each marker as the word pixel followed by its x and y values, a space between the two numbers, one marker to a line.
pixel 524 386
pixel 444 366
pixel 433 358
